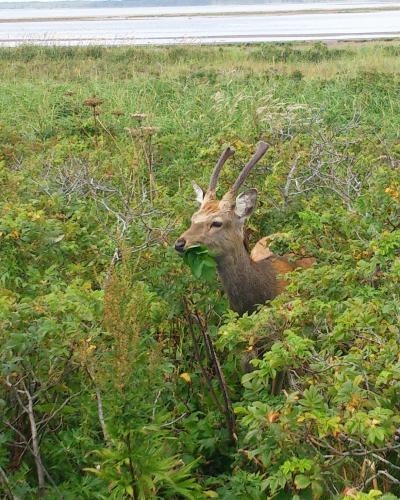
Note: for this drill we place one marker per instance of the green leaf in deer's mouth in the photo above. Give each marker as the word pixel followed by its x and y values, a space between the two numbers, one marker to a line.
pixel 201 262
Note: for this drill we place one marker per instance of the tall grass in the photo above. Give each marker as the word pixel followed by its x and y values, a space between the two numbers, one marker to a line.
pixel 195 94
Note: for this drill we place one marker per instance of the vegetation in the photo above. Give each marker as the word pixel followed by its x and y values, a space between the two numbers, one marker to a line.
pixel 108 378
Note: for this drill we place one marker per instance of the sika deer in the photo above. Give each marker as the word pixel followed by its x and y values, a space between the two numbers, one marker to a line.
pixel 248 279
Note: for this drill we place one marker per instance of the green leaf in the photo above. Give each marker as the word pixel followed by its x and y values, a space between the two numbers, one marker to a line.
pixel 301 481
pixel 201 262
pixel 317 490
pixel 129 490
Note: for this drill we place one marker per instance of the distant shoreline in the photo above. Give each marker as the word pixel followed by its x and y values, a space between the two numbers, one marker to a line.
pixel 176 26
pixel 233 38
pixel 207 40
pixel 281 12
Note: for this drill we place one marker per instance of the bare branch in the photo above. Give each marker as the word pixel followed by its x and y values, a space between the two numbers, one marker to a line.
pixel 52 415
pixel 174 421
pixel 35 443
pixel 196 349
pixel 100 409
pixel 5 482
pixel 228 411
pixel 153 413
pixel 382 473
pixel 289 179
pixel 332 166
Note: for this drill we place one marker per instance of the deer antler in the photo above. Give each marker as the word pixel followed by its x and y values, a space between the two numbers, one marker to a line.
pixel 229 198
pixel 261 150
pixel 226 154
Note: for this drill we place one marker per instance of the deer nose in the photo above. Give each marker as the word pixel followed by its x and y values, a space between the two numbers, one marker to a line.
pixel 180 245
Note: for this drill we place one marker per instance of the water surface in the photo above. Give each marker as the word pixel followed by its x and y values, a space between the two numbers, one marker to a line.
pixel 207 22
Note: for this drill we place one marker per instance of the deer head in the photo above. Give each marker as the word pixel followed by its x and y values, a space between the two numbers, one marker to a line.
pixel 218 224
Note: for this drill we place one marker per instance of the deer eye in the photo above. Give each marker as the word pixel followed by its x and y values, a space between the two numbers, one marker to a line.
pixel 216 223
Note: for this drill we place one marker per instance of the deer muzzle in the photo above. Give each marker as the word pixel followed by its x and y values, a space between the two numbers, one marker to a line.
pixel 180 245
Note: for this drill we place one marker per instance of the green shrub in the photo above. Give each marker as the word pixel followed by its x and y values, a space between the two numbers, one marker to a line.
pixel 106 384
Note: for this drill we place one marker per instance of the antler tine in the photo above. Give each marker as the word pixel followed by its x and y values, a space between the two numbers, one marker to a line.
pixel 261 150
pixel 226 154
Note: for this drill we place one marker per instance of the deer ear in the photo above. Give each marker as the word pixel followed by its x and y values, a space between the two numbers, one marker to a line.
pixel 199 192
pixel 245 203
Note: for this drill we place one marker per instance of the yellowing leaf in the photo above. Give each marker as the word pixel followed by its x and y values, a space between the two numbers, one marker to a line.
pixel 186 377
pixel 211 494
pixel 129 490
pixel 273 416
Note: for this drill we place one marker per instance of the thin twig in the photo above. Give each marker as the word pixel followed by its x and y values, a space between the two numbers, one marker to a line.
pixel 5 482
pixel 198 359
pixel 35 444
pixel 167 424
pixel 289 179
pixel 382 473
pixel 100 409
pixel 228 410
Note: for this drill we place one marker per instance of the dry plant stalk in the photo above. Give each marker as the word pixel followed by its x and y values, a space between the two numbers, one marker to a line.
pixel 125 313
pixel 226 408
pixel 93 103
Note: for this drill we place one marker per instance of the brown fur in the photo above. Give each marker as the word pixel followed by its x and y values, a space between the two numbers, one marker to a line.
pixel 210 207
pixel 281 264
pixel 248 279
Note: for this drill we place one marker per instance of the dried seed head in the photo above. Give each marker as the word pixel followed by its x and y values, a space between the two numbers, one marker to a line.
pixel 69 93
pixel 93 102
pixel 117 112
pixel 132 131
pixel 139 116
pixel 149 130
pixel 142 131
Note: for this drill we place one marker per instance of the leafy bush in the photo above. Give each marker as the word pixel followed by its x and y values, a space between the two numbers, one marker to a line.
pixel 120 373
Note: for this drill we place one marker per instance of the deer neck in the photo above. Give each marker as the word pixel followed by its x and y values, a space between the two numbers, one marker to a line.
pixel 246 283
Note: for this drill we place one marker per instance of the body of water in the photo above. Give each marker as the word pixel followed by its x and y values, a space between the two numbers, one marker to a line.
pixel 214 22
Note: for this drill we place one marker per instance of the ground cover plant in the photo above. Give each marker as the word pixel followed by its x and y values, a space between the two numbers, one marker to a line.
pixel 108 386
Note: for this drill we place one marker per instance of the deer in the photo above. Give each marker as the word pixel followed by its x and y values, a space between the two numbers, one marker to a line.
pixel 249 279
